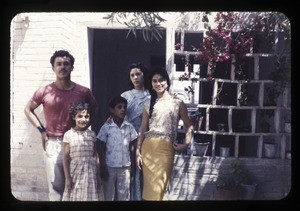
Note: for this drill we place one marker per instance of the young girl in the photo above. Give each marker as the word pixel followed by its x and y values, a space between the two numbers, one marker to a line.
pixel 80 160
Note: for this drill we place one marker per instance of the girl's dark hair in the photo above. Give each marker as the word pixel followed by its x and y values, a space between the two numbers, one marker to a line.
pixel 79 107
pixel 143 69
pixel 62 53
pixel 115 100
pixel 163 72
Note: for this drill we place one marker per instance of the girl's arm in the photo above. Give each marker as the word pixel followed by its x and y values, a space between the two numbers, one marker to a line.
pixel 66 165
pixel 143 128
pixel 97 159
pixel 183 113
pixel 187 123
pixel 96 156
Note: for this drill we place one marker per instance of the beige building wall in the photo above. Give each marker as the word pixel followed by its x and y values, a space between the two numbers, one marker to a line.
pixel 34 38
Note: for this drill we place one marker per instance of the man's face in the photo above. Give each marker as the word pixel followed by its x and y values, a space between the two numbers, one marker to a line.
pixel 62 67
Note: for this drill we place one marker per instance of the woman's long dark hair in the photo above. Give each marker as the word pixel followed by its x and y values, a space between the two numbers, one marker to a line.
pixel 143 69
pixel 163 72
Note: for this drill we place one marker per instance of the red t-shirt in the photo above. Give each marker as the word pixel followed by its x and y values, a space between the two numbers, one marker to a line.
pixel 57 103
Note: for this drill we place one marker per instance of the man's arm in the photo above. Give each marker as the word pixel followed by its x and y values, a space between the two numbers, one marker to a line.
pixel 31 116
pixel 34 120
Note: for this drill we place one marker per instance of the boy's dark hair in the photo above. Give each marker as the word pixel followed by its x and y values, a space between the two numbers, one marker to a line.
pixel 115 100
pixel 62 53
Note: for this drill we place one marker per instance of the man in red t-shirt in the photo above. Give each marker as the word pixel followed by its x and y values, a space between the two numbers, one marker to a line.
pixel 57 98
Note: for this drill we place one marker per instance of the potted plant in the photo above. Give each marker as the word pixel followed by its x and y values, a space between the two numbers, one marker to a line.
pixel 227 188
pixel 246 180
pixel 227 185
pixel 237 183
pixel 269 148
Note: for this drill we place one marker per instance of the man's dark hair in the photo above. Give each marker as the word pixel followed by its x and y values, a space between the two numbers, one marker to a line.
pixel 62 53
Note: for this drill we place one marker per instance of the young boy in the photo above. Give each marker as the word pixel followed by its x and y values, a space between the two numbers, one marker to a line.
pixel 116 145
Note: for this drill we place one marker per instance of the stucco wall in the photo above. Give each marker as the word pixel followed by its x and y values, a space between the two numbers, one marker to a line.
pixel 34 38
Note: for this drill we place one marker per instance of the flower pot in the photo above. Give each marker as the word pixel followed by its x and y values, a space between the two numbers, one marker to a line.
pixel 224 152
pixel 201 148
pixel 288 155
pixel 270 150
pixel 287 127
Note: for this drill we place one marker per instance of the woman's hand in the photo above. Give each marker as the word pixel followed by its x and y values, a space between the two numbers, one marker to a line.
pixel 139 160
pixel 109 120
pixel 180 147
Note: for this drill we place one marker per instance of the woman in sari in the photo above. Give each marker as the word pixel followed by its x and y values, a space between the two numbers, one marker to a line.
pixel 136 97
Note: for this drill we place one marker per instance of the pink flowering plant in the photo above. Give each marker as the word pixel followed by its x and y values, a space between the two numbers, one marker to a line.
pixel 234 36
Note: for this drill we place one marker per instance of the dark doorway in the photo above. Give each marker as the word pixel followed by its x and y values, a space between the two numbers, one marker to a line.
pixel 111 53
